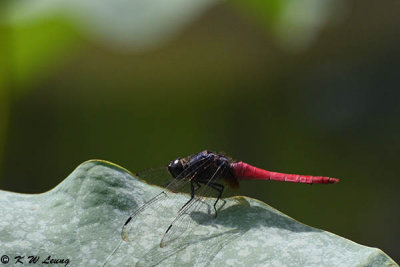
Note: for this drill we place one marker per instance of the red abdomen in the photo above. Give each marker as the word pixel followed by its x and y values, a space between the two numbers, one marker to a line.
pixel 244 171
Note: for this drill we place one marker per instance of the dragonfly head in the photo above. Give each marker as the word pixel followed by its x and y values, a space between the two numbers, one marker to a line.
pixel 175 167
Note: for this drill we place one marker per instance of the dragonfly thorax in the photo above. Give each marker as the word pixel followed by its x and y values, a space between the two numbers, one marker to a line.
pixel 200 167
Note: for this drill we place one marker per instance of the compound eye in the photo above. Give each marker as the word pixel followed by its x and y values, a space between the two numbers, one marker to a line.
pixel 175 167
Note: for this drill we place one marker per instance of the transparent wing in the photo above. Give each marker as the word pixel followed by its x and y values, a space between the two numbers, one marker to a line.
pixel 140 218
pixel 198 210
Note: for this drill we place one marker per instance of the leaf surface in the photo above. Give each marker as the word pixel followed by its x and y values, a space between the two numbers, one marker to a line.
pixel 81 220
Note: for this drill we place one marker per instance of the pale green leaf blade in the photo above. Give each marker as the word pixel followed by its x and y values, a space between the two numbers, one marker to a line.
pixel 81 220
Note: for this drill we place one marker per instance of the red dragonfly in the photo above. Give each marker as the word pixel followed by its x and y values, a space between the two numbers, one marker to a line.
pixel 202 172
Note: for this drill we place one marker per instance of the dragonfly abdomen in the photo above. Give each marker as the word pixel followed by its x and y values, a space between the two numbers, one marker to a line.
pixel 244 171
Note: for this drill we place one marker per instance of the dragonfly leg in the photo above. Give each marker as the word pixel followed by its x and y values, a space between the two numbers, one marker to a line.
pixel 191 196
pixel 220 189
pixel 216 186
pixel 198 185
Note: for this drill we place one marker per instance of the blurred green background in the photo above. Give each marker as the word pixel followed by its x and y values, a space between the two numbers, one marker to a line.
pixel 293 86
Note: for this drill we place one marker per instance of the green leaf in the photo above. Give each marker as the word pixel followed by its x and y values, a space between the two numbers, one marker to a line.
pixel 81 219
pixel 130 24
pixel 31 50
pixel 41 34
pixel 295 24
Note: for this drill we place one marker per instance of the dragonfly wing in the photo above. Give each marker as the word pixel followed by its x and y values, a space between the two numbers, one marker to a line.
pixel 197 210
pixel 130 226
pixel 150 209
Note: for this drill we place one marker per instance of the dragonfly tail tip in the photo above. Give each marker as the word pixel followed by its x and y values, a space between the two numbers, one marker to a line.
pixel 333 180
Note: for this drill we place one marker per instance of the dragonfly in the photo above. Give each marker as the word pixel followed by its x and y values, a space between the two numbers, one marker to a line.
pixel 205 172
